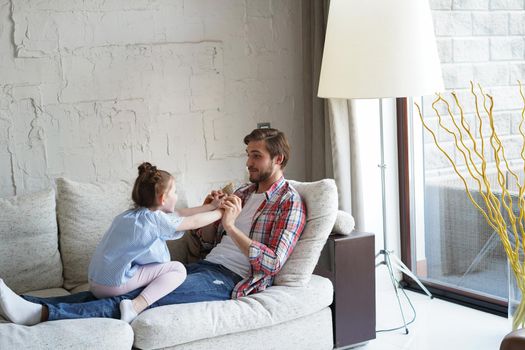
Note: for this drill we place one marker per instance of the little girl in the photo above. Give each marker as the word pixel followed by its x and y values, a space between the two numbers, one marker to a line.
pixel 133 252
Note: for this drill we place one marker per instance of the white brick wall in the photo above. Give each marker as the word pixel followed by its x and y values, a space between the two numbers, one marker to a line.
pixel 470 50
pixel 481 41
pixel 470 4
pixel 490 23
pixel 89 89
pixel 452 23
pixel 507 5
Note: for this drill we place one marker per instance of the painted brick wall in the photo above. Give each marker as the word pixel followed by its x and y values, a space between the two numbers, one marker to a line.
pixel 89 89
pixel 481 41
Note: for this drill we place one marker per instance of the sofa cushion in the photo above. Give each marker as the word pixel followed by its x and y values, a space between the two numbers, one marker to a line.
pixel 48 293
pixel 308 332
pixel 344 223
pixel 29 256
pixel 177 324
pixel 85 211
pixel 321 202
pixel 93 333
pixel 84 287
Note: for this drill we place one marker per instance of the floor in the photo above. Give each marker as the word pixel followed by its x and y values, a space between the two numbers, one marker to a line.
pixel 438 324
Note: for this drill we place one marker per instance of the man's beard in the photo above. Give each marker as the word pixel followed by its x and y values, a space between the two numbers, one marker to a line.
pixel 262 175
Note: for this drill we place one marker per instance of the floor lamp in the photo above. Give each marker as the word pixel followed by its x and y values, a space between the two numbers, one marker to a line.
pixel 379 49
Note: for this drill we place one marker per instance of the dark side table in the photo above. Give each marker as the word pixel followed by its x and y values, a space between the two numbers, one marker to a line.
pixel 349 262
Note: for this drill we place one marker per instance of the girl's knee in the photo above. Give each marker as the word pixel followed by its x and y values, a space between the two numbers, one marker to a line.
pixel 179 267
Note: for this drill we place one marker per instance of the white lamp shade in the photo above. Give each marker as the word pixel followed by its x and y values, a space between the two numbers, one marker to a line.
pixel 379 48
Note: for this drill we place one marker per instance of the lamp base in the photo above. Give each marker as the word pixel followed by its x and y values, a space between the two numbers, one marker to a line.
pixel 392 262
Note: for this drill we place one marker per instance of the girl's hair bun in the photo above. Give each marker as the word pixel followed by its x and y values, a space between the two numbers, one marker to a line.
pixel 150 182
pixel 145 168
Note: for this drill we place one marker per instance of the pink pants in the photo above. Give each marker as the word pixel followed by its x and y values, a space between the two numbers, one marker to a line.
pixel 160 279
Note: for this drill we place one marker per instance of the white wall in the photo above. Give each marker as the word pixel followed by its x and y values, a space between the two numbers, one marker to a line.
pixel 89 89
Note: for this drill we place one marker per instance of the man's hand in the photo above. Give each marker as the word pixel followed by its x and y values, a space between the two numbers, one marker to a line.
pixel 232 207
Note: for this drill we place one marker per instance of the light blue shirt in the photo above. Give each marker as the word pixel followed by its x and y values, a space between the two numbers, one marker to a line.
pixel 136 237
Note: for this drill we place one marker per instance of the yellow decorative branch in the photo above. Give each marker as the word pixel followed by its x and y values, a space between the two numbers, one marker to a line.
pixel 498 212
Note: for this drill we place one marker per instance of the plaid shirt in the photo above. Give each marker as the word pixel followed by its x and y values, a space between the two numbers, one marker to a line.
pixel 276 227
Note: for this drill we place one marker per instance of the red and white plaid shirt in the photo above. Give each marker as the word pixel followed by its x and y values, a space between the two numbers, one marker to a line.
pixel 276 227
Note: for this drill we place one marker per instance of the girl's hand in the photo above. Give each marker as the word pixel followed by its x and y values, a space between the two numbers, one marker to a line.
pixel 210 198
pixel 216 200
pixel 232 207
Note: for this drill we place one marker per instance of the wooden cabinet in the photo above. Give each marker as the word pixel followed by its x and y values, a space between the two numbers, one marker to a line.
pixel 349 262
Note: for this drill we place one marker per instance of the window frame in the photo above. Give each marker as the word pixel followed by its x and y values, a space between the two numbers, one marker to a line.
pixel 455 295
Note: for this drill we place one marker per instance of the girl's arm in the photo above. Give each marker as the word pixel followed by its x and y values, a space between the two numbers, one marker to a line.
pixel 199 220
pixel 212 202
pixel 196 210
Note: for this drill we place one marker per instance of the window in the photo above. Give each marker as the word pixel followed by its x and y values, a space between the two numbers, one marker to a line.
pixel 451 247
pixel 445 240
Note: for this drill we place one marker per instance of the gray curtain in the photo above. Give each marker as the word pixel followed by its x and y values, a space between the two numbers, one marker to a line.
pixel 331 133
pixel 317 139
pixel 348 157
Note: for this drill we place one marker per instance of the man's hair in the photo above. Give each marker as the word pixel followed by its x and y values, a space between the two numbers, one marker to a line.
pixel 275 141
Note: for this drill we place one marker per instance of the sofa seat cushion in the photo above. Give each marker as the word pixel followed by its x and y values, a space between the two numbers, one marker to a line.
pixel 178 324
pixel 312 332
pixel 94 333
pixel 48 293
pixel 84 287
pixel 29 256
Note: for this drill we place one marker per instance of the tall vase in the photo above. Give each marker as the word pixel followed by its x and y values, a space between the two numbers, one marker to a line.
pixel 516 307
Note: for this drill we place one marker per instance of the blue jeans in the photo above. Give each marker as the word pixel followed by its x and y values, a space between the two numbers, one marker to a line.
pixel 205 281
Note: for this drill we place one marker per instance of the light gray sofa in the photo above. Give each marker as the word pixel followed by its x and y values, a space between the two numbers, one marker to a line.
pixel 46 241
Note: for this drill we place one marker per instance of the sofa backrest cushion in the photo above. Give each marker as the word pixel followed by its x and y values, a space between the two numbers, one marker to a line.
pixel 85 212
pixel 321 202
pixel 29 256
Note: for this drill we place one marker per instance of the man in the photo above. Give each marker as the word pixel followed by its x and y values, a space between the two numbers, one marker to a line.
pixel 258 231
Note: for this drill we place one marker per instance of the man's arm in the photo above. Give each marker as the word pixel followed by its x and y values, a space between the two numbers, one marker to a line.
pixel 287 228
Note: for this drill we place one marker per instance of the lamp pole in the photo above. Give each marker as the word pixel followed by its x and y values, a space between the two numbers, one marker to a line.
pixel 389 259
